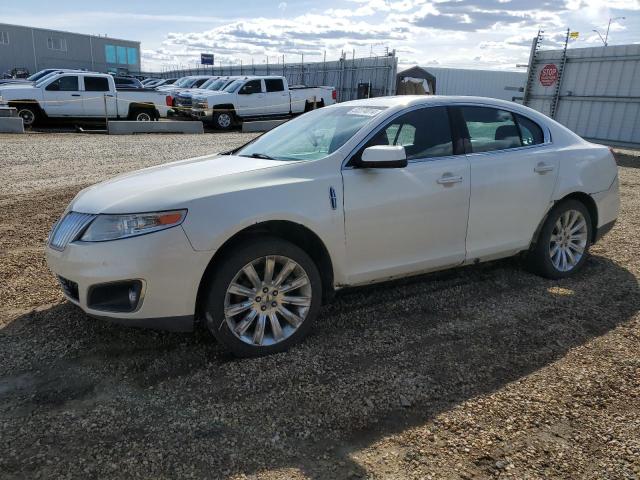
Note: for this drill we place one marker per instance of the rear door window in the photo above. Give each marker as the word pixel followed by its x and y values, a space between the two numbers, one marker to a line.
pixel 274 84
pixel 530 131
pixel 96 84
pixel 491 129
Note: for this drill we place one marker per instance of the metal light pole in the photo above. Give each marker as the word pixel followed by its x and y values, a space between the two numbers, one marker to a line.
pixel 605 40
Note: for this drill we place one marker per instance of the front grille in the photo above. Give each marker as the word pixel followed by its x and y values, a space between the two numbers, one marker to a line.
pixel 69 287
pixel 183 101
pixel 68 229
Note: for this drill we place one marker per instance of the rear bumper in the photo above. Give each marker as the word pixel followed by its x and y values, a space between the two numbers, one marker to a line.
pixel 608 205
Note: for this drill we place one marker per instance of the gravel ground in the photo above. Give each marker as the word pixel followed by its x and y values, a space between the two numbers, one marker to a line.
pixel 478 372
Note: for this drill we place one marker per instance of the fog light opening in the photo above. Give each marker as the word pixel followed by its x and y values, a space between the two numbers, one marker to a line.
pixel 133 297
pixel 124 296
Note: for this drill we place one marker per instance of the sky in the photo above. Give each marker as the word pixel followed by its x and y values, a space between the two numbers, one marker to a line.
pixel 494 34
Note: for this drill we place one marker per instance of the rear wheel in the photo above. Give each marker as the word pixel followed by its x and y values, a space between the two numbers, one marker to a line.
pixel 263 297
pixel 142 115
pixel 563 244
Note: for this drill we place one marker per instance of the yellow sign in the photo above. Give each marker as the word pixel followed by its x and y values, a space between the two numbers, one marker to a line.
pixel 574 35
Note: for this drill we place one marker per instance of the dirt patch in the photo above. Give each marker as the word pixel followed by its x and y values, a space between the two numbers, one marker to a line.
pixel 472 373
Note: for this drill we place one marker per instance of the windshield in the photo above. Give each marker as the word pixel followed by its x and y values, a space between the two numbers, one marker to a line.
pixel 233 86
pixel 182 82
pixel 208 83
pixel 215 85
pixel 313 135
pixel 39 75
pixel 47 77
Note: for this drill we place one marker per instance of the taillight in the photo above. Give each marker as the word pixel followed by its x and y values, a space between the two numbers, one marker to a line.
pixel 169 100
pixel 334 94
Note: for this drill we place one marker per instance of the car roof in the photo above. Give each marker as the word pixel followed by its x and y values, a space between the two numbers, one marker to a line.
pixel 399 102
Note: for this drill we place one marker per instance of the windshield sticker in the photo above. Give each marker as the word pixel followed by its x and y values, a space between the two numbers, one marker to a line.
pixel 364 111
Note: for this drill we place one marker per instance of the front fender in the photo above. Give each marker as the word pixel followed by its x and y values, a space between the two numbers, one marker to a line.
pixel 211 222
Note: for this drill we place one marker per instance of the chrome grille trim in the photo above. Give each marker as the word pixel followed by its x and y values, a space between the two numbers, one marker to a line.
pixel 68 229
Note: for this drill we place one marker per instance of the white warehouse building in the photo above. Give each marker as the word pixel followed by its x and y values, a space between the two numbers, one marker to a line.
pixel 500 84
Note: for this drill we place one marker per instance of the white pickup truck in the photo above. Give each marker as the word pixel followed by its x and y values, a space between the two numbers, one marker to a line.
pixel 258 97
pixel 83 95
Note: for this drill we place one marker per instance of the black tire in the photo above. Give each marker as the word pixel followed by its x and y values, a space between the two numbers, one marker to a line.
pixel 142 115
pixel 223 120
pixel 539 258
pixel 221 277
pixel 30 114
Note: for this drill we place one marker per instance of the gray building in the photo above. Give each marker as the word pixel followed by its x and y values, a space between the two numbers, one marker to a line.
pixel 36 49
pixel 593 91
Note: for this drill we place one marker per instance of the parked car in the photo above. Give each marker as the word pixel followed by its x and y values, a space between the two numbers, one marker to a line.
pixel 254 240
pixel 127 82
pixel 162 82
pixel 258 97
pixel 33 78
pixel 183 100
pixel 192 81
pixel 148 80
pixel 81 95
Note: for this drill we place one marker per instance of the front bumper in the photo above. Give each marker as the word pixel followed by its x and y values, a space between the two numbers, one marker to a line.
pixel 164 261
pixel 201 114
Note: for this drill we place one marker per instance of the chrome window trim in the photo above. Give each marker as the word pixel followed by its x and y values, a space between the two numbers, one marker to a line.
pixel 545 131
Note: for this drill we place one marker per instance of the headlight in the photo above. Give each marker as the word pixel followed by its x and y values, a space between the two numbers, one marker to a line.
pixel 113 227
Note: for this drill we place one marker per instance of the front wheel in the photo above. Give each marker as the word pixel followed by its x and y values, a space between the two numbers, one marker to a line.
pixel 563 244
pixel 28 114
pixel 222 120
pixel 263 297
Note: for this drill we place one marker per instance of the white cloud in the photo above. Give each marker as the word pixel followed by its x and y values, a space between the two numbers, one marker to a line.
pixel 492 32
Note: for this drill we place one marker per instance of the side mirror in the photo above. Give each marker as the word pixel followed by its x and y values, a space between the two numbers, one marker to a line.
pixel 53 87
pixel 384 156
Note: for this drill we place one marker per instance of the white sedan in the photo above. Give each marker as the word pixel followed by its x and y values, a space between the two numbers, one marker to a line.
pixel 251 242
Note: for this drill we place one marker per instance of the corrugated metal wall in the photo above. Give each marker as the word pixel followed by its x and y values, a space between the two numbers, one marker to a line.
pixel 599 92
pixel 344 74
pixel 482 83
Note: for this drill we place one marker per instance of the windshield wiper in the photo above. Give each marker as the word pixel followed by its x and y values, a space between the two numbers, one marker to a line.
pixel 264 156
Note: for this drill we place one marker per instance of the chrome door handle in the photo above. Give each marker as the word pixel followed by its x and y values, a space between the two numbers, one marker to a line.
pixel 449 179
pixel 543 168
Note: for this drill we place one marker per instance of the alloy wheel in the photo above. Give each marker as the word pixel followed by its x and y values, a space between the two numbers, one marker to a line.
pixel 143 117
pixel 267 300
pixel 224 120
pixel 568 240
pixel 28 117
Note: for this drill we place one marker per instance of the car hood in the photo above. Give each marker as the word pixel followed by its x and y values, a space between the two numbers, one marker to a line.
pixel 174 185
pixel 13 91
pixel 211 94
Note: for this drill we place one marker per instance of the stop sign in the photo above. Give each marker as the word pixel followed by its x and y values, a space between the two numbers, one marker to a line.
pixel 548 75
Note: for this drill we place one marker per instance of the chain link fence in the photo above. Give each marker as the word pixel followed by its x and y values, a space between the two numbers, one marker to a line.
pixel 352 78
